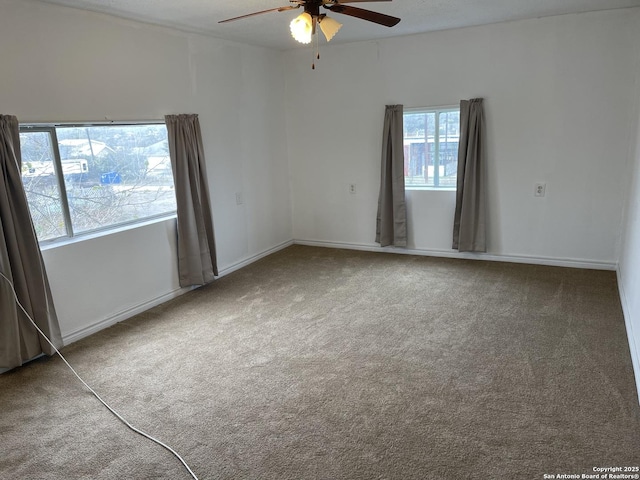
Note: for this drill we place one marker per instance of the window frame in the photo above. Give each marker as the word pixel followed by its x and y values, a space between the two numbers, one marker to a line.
pixel 437 110
pixel 71 235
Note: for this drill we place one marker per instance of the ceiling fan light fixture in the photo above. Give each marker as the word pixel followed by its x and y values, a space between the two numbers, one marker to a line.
pixel 329 27
pixel 302 28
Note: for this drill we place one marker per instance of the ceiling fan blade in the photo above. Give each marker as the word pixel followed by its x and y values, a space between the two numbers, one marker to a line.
pixel 354 1
pixel 279 9
pixel 375 17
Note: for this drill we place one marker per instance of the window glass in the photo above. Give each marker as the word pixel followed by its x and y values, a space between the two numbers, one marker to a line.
pixel 115 174
pixel 40 180
pixel 112 175
pixel 431 160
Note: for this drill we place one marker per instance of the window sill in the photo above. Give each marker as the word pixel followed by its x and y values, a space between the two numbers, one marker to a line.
pixel 64 241
pixel 431 189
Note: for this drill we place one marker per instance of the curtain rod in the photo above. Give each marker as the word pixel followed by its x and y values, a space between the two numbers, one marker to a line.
pixel 436 107
pixel 105 122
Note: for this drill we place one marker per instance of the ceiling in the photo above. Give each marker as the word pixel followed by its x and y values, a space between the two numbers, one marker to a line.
pixel 272 29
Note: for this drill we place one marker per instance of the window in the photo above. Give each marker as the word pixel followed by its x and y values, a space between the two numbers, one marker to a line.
pixel 80 179
pixel 431 147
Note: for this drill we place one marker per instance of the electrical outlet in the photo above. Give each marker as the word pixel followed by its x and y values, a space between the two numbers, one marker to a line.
pixel 239 199
pixel 539 189
pixel 352 188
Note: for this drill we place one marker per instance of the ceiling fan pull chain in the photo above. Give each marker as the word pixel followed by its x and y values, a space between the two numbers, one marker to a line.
pixel 316 54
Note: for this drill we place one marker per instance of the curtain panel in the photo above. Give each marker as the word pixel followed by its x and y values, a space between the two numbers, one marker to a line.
pixel 197 264
pixel 391 221
pixel 21 262
pixel 469 223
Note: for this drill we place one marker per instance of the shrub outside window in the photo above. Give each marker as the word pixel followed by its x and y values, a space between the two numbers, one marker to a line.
pixel 81 179
pixel 431 137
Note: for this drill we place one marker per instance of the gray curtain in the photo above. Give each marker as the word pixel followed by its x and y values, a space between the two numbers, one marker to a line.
pixel 21 262
pixel 197 263
pixel 469 220
pixel 391 223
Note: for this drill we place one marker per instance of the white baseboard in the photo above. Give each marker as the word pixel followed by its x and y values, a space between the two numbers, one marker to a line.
pixel 130 312
pixel 254 258
pixel 554 262
pixel 120 316
pixel 633 346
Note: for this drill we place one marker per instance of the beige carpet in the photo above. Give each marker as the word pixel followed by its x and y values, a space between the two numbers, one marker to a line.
pixel 329 364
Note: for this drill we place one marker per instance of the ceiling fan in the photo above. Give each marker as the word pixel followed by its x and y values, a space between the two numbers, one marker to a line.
pixel 303 27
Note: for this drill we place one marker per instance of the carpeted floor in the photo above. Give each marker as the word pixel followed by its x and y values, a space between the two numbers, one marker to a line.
pixel 329 364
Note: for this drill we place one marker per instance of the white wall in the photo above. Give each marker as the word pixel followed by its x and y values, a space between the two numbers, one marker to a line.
pixel 557 99
pixel 629 266
pixel 61 64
